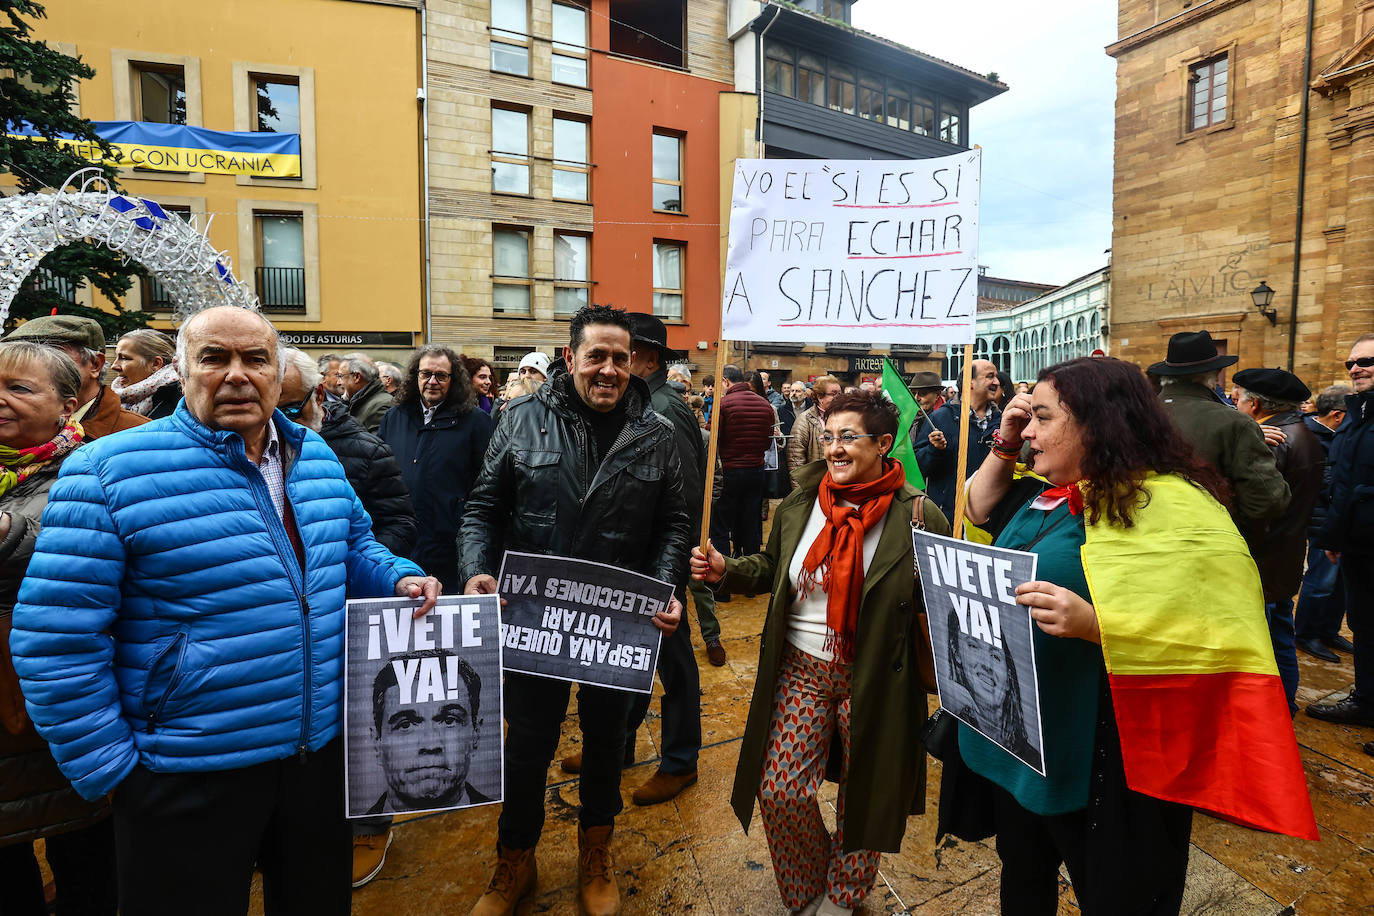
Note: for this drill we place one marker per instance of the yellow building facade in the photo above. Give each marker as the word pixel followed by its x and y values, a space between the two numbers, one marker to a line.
pixel 336 255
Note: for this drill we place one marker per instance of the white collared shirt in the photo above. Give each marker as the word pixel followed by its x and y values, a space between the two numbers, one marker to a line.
pixel 273 470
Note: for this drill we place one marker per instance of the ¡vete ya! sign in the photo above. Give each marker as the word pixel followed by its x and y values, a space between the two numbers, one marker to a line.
pixel 854 251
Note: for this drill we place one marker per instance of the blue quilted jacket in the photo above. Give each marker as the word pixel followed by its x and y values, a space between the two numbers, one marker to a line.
pixel 165 619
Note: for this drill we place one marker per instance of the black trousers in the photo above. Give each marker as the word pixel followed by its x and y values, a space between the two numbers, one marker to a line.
pixel 83 871
pixel 681 703
pixel 188 842
pixel 535 709
pixel 737 517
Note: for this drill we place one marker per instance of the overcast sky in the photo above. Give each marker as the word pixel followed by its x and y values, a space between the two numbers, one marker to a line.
pixel 1046 211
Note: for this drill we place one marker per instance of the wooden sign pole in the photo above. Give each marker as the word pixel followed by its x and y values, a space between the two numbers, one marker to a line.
pixel 960 497
pixel 713 444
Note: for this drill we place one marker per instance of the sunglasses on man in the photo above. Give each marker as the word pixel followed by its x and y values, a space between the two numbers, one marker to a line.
pixel 1364 362
pixel 293 409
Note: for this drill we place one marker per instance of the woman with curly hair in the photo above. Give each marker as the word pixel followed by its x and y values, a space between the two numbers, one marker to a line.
pixel 1157 683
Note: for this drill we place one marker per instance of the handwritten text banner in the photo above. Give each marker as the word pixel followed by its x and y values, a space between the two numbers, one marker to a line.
pixel 861 251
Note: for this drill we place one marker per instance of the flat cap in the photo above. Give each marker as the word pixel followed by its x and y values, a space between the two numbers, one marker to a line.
pixel 1275 384
pixel 920 380
pixel 61 329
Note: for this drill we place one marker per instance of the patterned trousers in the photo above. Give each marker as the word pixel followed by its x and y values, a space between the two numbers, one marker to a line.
pixel 810 703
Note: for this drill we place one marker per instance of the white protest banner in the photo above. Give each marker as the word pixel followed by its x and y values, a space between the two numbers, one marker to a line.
pixel 983 641
pixel 856 251
pixel 580 621
pixel 422 705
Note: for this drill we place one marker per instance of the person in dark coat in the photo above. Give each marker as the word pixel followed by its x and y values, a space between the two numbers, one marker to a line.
pixel 1321 600
pixel 38 393
pixel 368 399
pixel 938 455
pixel 1233 444
pixel 746 429
pixel 439 437
pixel 929 391
pixel 1346 534
pixel 1271 397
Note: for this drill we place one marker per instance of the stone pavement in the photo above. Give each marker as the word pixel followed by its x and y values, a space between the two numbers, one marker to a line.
pixel 691 856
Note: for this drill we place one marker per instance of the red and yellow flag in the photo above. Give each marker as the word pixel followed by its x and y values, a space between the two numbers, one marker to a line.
pixel 1198 701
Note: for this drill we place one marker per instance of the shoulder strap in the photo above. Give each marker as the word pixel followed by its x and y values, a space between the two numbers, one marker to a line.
pixel 918 512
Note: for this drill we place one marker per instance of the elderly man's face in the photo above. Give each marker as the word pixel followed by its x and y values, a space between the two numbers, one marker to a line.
pixel 425 749
pixel 928 397
pixel 294 395
pixel 231 378
pixel 984 385
pixel 1362 377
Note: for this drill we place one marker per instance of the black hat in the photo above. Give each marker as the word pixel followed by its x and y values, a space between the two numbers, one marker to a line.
pixel 1190 352
pixel 1275 384
pixel 647 329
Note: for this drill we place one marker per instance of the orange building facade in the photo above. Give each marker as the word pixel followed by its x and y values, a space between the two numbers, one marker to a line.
pixel 656 143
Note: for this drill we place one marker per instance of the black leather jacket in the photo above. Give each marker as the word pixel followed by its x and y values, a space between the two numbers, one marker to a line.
pixel 535 492
pixel 371 468
pixel 1300 459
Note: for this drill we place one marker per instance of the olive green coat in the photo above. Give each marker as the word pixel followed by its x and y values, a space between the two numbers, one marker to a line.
pixel 887 762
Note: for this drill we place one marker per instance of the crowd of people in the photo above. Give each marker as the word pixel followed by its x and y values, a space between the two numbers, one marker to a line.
pixel 176 547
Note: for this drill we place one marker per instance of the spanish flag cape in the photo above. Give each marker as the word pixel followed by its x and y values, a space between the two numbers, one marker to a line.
pixel 1201 711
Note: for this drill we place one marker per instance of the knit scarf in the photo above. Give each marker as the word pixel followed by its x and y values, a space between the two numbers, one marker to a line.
pixel 138 397
pixel 836 557
pixel 19 464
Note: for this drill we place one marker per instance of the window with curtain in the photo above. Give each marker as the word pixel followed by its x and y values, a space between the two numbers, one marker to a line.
pixel 571 272
pixel 668 289
pixel 510 281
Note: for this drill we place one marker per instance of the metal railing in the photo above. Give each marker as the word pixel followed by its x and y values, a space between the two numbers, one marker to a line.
pixel 282 288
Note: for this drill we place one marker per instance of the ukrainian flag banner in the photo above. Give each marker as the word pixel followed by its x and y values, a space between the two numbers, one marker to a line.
pixel 1199 705
pixel 183 148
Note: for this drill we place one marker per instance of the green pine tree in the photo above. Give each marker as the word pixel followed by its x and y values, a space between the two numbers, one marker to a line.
pixel 37 85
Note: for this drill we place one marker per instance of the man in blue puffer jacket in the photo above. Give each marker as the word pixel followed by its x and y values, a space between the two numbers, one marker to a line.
pixel 179 636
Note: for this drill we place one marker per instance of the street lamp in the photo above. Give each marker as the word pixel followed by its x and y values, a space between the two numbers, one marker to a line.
pixel 1262 295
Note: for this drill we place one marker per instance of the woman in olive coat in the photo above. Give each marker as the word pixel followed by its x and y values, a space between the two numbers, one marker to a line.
pixel 869 664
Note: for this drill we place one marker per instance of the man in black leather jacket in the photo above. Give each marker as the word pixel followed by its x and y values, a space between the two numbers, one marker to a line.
pixel 582 468
pixel 1321 600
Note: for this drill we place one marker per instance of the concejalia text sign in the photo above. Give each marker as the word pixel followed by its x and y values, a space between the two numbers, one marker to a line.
pixel 854 251
pixel 576 620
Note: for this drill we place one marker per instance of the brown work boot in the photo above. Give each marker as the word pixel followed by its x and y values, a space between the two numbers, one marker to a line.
pixel 715 652
pixel 598 894
pixel 662 787
pixel 513 880
pixel 369 855
pixel 571 763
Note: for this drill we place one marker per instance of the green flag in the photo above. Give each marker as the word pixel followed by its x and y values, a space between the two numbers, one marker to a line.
pixel 896 390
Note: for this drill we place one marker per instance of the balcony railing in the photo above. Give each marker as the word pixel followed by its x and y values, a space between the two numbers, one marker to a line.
pixel 282 289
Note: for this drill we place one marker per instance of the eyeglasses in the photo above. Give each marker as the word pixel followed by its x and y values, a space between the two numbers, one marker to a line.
pixel 425 375
pixel 293 410
pixel 845 438
pixel 1364 362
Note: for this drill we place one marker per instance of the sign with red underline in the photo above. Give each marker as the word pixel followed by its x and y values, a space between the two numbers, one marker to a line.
pixel 854 251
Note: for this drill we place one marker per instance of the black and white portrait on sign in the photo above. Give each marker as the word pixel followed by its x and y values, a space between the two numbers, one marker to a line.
pixel 982 640
pixel 423 706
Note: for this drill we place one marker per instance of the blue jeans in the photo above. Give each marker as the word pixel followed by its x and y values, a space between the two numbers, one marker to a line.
pixel 1321 603
pixel 1280 617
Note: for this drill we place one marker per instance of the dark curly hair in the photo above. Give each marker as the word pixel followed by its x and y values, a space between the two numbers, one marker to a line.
pixel 1126 434
pixel 880 415
pixel 474 365
pixel 461 395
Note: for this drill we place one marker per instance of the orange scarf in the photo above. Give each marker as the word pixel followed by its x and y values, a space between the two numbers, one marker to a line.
pixel 836 557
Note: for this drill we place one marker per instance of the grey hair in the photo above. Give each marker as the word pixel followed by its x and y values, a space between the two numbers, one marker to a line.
pixel 311 376
pixel 681 369
pixel 324 362
pixel 66 377
pixel 1266 405
pixel 1205 379
pixel 1332 398
pixel 362 364
pixel 182 369
pixel 391 371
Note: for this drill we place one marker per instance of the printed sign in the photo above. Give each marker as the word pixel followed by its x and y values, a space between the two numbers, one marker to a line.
pixel 854 251
pixel 982 640
pixel 576 620
pixel 422 705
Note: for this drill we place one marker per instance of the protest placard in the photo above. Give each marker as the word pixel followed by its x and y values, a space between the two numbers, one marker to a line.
pixel 854 251
pixel 982 640
pixel 422 705
pixel 576 620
